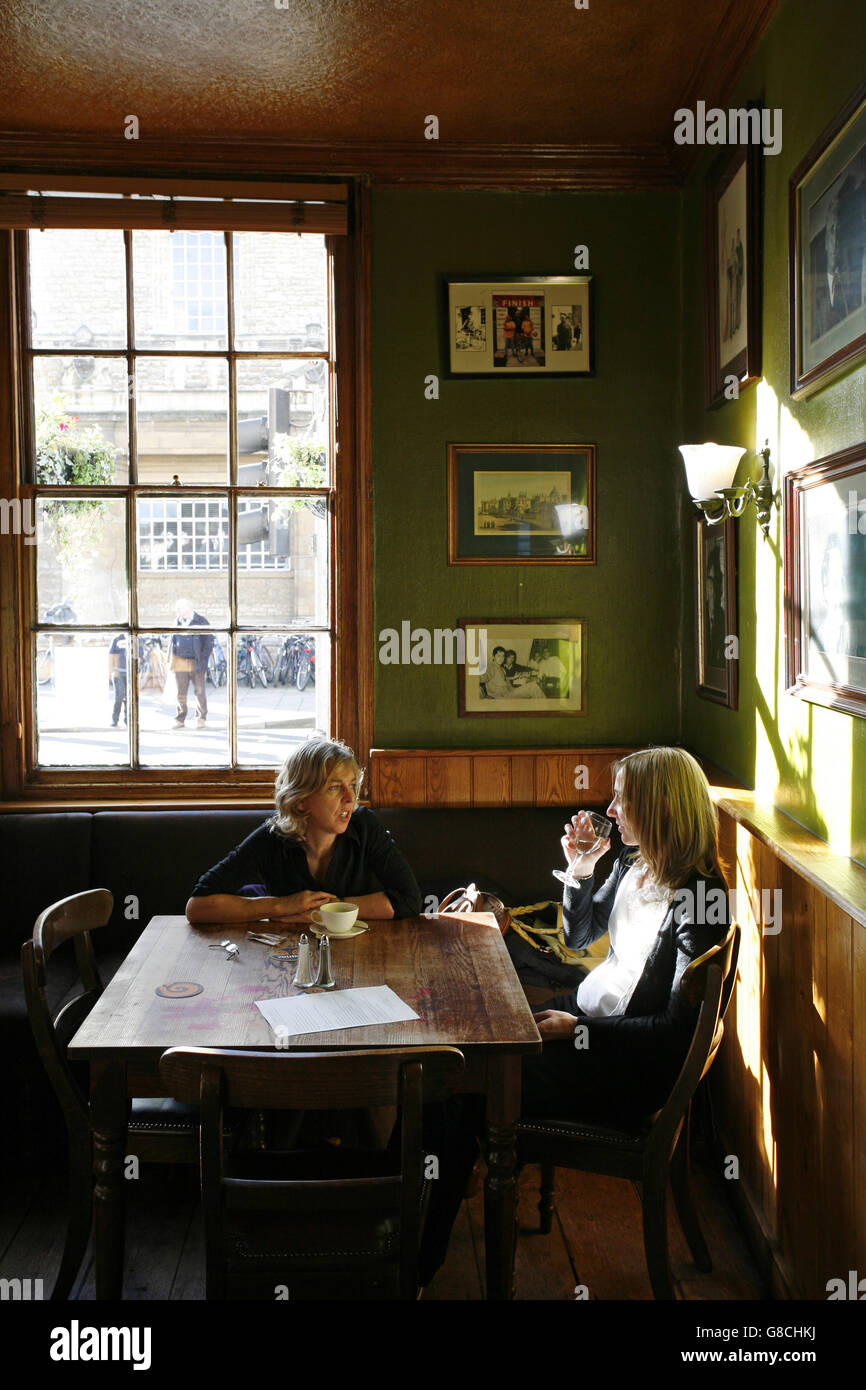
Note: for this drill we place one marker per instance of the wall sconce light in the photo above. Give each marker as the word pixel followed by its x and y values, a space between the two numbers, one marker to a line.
pixel 710 470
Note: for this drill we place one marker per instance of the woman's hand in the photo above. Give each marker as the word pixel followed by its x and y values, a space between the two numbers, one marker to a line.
pixel 582 862
pixel 297 907
pixel 554 1023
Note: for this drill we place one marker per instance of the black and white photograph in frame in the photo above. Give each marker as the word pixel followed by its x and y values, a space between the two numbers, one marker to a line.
pixel 535 667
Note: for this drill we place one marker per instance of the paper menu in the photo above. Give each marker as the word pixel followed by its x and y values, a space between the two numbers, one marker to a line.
pixel 342 1008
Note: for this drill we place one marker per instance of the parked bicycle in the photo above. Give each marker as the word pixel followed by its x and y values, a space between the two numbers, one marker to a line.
pixel 307 664
pixel 255 663
pixel 296 661
pixel 217 666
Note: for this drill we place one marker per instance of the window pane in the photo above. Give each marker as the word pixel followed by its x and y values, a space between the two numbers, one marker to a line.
pixel 283 416
pixel 81 559
pixel 182 554
pixel 82 424
pixel 179 289
pixel 183 716
pixel 77 289
pixel 281 691
pixel 281 292
pixel 182 419
pixel 282 572
pixel 76 696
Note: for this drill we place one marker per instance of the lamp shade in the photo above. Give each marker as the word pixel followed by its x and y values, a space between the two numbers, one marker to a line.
pixel 710 467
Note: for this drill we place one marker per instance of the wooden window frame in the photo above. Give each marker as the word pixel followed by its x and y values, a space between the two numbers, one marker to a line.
pixel 21 782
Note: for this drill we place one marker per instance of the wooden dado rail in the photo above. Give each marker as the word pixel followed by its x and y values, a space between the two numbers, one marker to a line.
pixel 491 776
pixel 790 1081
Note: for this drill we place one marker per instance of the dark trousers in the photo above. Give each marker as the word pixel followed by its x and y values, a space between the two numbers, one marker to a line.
pixel 119 679
pixel 603 1081
pixel 183 679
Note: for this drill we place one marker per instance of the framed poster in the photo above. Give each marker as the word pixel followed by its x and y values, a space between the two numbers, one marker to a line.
pixel 525 326
pixel 825 580
pixel 534 666
pixel 827 260
pixel 521 504
pixel 716 654
pixel 732 299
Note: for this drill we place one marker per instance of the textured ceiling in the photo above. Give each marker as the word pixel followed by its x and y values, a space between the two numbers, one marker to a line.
pixel 510 72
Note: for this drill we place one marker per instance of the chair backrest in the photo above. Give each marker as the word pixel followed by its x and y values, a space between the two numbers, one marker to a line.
pixel 343 1215
pixel 706 981
pixel 74 918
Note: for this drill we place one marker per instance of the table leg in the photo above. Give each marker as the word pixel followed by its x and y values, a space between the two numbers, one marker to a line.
pixel 500 1188
pixel 108 1118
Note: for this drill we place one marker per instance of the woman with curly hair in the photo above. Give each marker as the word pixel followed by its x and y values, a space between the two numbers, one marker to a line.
pixel 319 847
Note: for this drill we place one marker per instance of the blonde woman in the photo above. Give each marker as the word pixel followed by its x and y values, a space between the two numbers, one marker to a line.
pixel 319 847
pixel 616 1046
pixel 613 1050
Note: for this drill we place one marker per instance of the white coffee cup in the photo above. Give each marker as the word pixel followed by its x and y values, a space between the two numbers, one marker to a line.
pixel 335 918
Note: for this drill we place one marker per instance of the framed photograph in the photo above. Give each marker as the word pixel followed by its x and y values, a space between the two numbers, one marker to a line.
pixel 825 581
pixel 535 666
pixel 827 263
pixel 716 636
pixel 732 268
pixel 521 504
pixel 520 326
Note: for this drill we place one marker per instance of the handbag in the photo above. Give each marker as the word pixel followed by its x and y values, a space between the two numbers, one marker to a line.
pixel 472 899
pixel 533 935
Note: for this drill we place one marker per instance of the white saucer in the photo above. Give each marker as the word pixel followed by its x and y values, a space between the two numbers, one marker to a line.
pixel 355 930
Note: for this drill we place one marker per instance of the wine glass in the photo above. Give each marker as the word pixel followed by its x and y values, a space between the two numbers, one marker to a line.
pixel 591 831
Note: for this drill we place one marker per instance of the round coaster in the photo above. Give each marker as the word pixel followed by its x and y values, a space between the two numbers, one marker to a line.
pixel 179 989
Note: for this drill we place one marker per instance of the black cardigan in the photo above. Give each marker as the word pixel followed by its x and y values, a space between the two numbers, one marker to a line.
pixel 656 1029
pixel 365 860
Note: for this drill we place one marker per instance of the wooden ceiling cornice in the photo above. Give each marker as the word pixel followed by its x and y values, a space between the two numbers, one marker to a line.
pixel 410 165
pixel 570 103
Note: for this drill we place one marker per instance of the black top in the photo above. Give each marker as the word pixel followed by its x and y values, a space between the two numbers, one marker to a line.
pixel 365 860
pixel 658 1021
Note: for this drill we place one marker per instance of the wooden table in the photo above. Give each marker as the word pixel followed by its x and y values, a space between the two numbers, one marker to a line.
pixel 455 973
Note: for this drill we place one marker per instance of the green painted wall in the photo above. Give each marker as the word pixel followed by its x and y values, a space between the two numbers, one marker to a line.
pixel 809 760
pixel 631 597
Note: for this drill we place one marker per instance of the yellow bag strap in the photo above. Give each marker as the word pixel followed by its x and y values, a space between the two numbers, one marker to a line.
pixel 548 939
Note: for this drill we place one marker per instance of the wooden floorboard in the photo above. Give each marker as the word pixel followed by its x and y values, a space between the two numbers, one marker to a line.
pixel 596 1241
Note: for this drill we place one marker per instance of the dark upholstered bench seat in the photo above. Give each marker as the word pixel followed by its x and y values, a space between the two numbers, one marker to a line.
pixel 150 860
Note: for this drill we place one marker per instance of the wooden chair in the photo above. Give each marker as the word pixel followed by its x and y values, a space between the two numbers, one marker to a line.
pixel 330 1224
pixel 662 1144
pixel 160 1131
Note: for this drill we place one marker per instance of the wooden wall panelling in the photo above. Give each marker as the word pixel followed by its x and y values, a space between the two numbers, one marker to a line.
pixel 839 1246
pixel 802 949
pixel 491 776
pixel 747 1081
pixel 492 780
pixel 398 781
pixel 780 1033
pixel 554 778
pixel 523 780
pixel 449 781
pixel 858 1125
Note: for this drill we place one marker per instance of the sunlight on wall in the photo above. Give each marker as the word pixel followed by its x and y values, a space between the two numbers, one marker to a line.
pixel 804 743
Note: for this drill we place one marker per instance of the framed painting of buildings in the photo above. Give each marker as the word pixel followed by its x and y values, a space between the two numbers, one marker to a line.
pixel 511 504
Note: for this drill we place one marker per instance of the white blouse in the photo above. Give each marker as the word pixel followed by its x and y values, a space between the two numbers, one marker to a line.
pixel 639 910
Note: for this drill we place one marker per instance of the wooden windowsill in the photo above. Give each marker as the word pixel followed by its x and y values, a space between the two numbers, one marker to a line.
pixel 839 877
